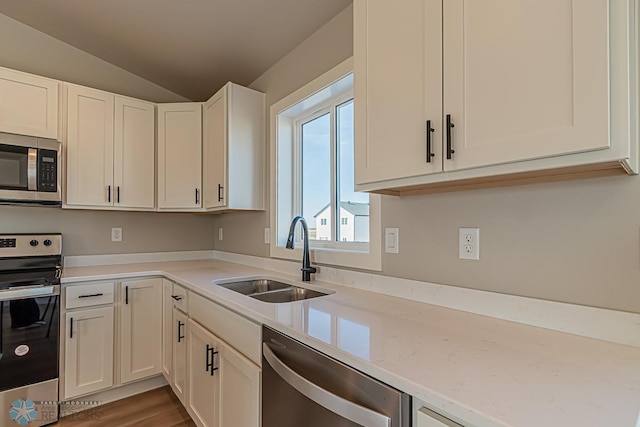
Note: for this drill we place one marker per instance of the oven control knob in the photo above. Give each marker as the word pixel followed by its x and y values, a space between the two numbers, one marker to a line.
pixel 47 242
pixel 34 243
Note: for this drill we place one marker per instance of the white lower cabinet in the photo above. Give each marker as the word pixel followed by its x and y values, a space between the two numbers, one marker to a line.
pixel 204 390
pixel 88 356
pixel 179 355
pixel 239 389
pixel 210 359
pixel 93 347
pixel 140 329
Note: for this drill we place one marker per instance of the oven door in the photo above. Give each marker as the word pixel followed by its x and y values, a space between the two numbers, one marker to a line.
pixel 29 335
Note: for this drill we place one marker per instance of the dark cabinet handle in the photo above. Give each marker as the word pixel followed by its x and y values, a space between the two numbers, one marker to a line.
pixel 180 336
pixel 450 150
pixel 197 196
pixel 71 328
pixel 90 296
pixel 430 130
pixel 109 193
pixel 220 188
pixel 118 194
pixel 126 295
pixel 176 297
pixel 211 352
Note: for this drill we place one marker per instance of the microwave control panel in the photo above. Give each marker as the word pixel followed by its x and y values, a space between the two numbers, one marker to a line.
pixel 47 171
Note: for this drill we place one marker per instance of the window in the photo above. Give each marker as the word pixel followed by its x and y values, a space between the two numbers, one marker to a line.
pixel 312 142
pixel 325 182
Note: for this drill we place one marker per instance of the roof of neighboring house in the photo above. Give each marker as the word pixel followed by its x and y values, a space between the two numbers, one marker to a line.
pixel 354 208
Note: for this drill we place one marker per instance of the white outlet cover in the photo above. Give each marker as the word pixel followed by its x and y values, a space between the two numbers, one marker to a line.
pixel 116 234
pixel 392 240
pixel 469 244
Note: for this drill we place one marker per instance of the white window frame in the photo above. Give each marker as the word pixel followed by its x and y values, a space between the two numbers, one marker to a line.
pixel 284 169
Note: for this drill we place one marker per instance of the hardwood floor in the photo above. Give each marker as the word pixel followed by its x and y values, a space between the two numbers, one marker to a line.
pixel 156 408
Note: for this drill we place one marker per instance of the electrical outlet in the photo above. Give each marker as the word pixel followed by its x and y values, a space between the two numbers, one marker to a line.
pixel 116 234
pixel 469 243
pixel 267 236
pixel 392 240
pixel 220 234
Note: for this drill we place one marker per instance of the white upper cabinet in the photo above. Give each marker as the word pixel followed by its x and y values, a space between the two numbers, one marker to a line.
pixel 233 148
pixel 134 148
pixel 110 149
pixel 180 156
pixel 397 89
pixel 89 147
pixel 28 104
pixel 525 79
pixel 499 89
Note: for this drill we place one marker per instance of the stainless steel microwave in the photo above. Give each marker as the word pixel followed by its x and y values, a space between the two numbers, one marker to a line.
pixel 29 170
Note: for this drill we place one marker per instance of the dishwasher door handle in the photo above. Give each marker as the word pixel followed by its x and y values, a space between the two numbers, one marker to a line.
pixel 336 404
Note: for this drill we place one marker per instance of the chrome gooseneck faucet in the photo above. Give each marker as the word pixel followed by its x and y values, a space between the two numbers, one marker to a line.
pixel 306 262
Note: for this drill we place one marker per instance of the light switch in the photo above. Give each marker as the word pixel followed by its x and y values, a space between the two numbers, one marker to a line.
pixel 392 240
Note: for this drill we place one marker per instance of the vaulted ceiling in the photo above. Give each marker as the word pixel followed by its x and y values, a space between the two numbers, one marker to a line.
pixel 191 47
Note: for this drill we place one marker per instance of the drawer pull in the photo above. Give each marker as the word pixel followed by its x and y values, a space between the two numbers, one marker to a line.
pixel 211 352
pixel 177 297
pixel 90 296
pixel 180 336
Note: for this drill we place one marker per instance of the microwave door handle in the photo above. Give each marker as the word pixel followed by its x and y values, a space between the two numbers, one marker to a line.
pixel 32 169
pixel 352 411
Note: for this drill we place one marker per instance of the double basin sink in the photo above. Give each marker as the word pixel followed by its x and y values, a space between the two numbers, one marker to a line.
pixel 272 291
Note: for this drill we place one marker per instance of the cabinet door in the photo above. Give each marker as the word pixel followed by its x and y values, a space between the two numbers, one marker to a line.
pixel 397 88
pixel 88 356
pixel 525 79
pixel 214 150
pixel 180 156
pixel 140 329
pixel 89 149
pixel 167 330
pixel 203 395
pixel 239 389
pixel 428 418
pixel 28 104
pixel 134 154
pixel 179 340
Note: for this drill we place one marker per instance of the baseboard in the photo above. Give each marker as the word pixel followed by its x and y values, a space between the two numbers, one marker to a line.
pixel 100 398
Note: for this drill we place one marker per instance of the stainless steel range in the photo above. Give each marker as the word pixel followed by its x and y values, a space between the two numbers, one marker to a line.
pixel 30 270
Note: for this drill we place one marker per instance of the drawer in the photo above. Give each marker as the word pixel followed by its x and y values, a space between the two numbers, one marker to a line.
pixel 237 331
pixel 179 296
pixel 89 295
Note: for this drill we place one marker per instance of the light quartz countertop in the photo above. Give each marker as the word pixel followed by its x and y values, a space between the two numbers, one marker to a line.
pixel 477 370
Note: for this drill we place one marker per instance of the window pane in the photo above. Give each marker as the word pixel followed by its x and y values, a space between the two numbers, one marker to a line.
pixel 354 207
pixel 316 176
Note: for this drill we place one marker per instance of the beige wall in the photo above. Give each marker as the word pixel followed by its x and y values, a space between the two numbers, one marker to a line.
pixel 575 242
pixel 87 232
pixel 25 49
pixel 327 47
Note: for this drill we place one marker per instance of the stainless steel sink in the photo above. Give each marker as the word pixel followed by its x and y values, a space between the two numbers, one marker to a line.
pixel 248 287
pixel 272 291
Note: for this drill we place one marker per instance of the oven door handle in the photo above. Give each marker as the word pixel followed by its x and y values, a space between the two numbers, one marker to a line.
pixel 351 411
pixel 29 292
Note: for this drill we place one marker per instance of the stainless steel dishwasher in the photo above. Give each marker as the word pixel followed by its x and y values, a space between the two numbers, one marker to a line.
pixel 303 387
